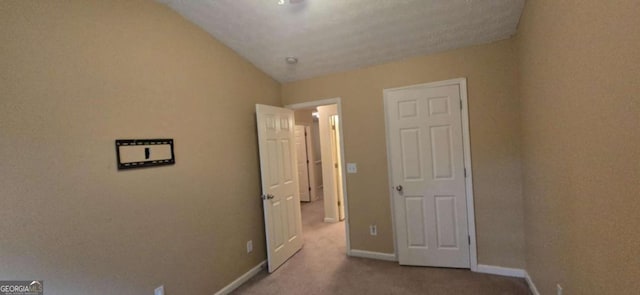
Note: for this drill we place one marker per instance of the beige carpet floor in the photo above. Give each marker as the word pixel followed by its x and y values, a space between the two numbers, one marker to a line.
pixel 322 267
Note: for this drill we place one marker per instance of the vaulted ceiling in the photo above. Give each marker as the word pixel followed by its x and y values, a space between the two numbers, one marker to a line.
pixel 328 36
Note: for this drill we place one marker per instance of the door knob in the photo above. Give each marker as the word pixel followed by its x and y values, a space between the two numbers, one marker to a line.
pixel 399 188
pixel 267 196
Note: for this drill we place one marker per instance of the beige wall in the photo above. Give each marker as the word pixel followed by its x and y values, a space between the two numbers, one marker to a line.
pixel 494 118
pixel 304 117
pixel 75 76
pixel 580 85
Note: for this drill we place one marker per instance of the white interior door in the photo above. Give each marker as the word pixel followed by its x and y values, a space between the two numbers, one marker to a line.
pixel 337 163
pixel 281 200
pixel 303 163
pixel 311 159
pixel 427 171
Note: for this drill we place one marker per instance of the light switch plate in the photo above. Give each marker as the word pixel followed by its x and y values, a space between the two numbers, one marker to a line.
pixel 352 168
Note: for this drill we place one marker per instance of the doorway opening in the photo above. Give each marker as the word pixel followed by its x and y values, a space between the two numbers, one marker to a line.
pixel 321 167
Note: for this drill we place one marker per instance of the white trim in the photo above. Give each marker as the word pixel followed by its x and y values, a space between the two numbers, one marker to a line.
pixel 532 286
pixel 501 271
pixel 312 104
pixel 466 142
pixel 471 216
pixel 337 101
pixel 330 220
pixel 509 272
pixel 373 255
pixel 242 279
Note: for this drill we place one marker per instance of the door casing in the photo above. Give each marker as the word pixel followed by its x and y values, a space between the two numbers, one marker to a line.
pixel 462 84
pixel 331 176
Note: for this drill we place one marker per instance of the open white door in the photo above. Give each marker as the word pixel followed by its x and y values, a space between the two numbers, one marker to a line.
pixel 337 160
pixel 304 181
pixel 281 200
pixel 428 175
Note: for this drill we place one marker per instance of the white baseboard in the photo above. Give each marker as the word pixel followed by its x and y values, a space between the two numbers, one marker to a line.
pixel 242 279
pixel 373 255
pixel 330 220
pixel 501 271
pixel 532 286
pixel 509 272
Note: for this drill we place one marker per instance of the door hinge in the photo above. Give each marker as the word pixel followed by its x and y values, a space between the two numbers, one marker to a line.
pixel 461 104
pixel 309 188
pixel 338 203
pixel 469 238
pixel 307 161
pixel 465 172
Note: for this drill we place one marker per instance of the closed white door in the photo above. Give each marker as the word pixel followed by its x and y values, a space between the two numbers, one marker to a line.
pixel 303 163
pixel 428 176
pixel 281 200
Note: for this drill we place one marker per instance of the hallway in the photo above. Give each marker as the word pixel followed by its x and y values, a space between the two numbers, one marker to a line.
pixel 322 267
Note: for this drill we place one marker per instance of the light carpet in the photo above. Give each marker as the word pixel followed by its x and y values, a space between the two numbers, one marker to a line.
pixel 322 267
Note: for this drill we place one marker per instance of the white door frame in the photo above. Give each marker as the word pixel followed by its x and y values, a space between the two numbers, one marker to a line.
pixel 462 84
pixel 337 101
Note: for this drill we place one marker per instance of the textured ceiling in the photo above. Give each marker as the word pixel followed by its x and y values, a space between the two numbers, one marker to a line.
pixel 329 36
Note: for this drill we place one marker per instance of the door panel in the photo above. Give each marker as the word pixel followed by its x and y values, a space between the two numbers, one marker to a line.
pixel 426 150
pixel 272 156
pixel 278 225
pixel 410 146
pixel 446 222
pixel 291 216
pixel 416 232
pixel 287 161
pixel 281 200
pixel 441 152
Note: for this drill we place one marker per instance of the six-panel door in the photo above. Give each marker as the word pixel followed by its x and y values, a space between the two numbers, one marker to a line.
pixel 426 149
pixel 281 200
